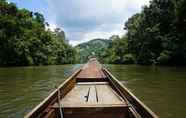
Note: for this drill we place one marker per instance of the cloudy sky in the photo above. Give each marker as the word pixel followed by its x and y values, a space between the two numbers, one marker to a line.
pixel 83 20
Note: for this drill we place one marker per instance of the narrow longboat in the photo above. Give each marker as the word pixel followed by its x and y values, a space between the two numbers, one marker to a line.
pixel 91 92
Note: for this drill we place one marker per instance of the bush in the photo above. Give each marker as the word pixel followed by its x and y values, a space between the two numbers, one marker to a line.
pixel 164 57
pixel 128 59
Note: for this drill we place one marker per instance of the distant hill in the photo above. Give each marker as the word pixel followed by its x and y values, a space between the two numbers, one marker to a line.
pixel 95 47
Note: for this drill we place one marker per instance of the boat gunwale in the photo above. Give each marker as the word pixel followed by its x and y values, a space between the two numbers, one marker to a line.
pixel 125 93
pixel 145 109
pixel 43 102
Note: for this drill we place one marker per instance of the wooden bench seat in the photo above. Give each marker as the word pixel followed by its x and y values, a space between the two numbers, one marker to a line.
pixel 92 94
pixel 89 98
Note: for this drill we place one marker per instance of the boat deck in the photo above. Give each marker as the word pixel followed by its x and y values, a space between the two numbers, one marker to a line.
pixel 93 100
pixel 92 71
pixel 92 94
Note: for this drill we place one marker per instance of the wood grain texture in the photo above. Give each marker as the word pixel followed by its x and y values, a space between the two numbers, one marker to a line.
pixel 91 71
pixel 98 95
pixel 96 112
pixel 92 92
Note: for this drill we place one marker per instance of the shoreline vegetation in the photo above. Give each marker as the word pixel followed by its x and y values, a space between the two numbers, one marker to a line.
pixel 155 36
pixel 25 39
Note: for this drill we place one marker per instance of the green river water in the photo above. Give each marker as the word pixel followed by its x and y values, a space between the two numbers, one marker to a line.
pixel 160 88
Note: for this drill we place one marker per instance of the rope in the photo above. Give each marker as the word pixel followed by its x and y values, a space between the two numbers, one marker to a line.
pixel 60 107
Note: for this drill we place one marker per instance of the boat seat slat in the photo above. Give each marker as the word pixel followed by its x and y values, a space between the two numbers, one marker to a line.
pixel 97 94
pixel 92 83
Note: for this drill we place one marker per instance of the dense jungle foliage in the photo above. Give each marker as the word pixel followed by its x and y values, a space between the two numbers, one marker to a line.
pixel 156 35
pixel 25 40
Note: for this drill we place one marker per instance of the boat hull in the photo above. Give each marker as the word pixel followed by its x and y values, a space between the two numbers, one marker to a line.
pixel 100 96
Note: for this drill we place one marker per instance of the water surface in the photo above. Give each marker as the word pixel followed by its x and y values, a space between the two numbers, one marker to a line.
pixel 22 88
pixel 160 88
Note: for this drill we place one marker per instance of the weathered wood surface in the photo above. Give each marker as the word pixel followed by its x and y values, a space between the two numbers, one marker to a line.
pixel 92 92
pixel 83 95
pixel 96 112
pixel 91 71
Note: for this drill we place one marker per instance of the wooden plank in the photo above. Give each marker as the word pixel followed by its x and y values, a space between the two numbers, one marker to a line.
pixel 98 95
pixel 107 96
pixel 92 83
pixel 75 96
pixel 91 70
pixel 92 99
pixel 96 112
pixel 89 105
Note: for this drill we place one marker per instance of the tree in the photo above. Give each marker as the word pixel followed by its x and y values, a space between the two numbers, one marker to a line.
pixel 159 28
pixel 24 39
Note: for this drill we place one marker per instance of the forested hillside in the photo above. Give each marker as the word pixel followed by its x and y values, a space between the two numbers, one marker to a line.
pixel 25 40
pixel 95 47
pixel 112 50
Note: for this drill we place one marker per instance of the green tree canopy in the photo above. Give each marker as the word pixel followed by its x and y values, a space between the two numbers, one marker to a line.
pixel 25 40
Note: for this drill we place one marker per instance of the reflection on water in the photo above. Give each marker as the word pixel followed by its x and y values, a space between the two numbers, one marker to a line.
pixel 161 88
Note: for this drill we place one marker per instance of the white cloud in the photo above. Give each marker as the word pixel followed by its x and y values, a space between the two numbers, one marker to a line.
pixel 52 26
pixel 99 32
pixel 87 19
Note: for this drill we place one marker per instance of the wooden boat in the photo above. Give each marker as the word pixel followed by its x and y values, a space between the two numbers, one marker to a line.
pixel 91 92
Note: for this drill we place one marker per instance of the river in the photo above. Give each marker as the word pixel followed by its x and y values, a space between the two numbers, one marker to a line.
pixel 160 88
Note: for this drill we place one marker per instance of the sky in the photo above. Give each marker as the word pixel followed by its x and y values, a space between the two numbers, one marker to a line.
pixel 83 20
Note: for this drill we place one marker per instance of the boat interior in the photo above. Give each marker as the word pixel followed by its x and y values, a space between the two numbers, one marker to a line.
pixel 92 96
pixel 91 92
